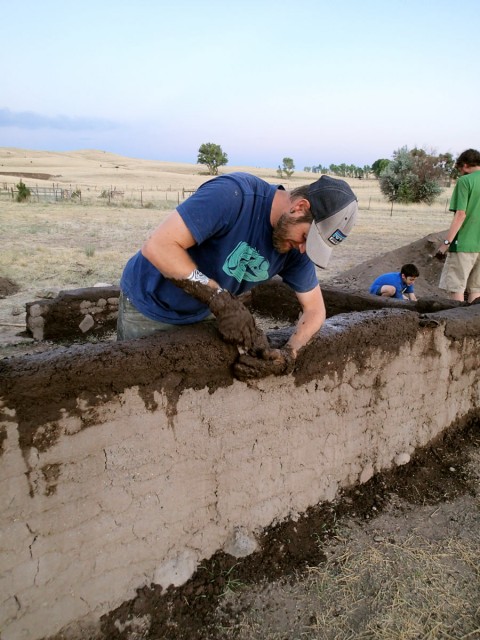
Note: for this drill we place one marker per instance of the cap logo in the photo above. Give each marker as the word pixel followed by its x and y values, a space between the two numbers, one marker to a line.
pixel 337 237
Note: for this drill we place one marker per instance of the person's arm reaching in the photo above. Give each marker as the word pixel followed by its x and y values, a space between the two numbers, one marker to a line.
pixel 166 249
pixel 282 361
pixel 312 318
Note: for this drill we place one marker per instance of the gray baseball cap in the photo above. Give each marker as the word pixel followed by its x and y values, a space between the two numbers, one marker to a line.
pixel 334 207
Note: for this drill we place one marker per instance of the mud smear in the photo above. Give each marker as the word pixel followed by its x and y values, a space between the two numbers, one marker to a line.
pixel 94 374
pixel 195 358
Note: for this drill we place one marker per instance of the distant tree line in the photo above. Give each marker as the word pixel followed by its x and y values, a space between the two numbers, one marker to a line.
pixel 342 170
pixel 410 176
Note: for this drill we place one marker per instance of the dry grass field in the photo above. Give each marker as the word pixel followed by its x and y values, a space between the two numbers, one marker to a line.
pixel 411 573
pixel 53 244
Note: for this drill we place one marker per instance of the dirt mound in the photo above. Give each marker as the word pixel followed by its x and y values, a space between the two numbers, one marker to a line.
pixel 8 287
pixel 421 253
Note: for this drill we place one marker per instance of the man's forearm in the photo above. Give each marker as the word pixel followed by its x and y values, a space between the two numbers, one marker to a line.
pixel 307 327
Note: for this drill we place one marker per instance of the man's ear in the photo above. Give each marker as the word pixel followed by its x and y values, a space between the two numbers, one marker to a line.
pixel 301 205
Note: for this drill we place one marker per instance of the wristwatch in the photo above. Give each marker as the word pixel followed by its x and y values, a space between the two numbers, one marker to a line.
pixel 447 242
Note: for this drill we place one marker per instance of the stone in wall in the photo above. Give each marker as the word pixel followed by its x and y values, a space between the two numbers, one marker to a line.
pixel 74 314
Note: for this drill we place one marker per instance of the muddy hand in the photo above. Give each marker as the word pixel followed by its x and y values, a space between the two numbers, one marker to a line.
pixel 236 324
pixel 274 362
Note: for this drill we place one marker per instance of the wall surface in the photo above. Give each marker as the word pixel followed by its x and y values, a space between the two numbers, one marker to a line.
pixel 126 464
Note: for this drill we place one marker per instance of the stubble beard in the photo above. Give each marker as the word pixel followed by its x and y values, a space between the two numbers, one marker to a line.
pixel 280 233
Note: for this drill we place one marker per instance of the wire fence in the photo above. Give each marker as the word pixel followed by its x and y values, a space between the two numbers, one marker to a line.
pixel 168 198
pixel 110 195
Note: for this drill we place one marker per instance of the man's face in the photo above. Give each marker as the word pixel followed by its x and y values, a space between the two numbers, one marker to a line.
pixel 288 235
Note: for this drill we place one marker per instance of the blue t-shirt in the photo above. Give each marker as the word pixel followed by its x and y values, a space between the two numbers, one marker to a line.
pixel 393 279
pixel 229 217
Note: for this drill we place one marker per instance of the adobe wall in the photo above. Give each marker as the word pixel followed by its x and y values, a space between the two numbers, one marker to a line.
pixel 126 464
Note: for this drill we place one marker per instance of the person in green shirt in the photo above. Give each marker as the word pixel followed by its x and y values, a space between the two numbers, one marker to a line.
pixel 461 271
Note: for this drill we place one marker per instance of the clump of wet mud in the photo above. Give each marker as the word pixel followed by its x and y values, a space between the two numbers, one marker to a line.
pixel 234 321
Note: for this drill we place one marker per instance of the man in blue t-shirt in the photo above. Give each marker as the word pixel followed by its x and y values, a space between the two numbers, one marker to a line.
pixel 397 284
pixel 233 233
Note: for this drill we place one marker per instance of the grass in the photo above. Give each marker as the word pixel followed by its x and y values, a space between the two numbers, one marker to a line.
pixel 416 588
pixel 49 242
pixel 45 244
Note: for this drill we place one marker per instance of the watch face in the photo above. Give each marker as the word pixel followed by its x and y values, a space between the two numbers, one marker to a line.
pixel 446 242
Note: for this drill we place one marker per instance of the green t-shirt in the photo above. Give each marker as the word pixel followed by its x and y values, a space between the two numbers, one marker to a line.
pixel 466 197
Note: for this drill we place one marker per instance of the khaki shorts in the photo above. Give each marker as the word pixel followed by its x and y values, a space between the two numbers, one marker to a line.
pixel 461 272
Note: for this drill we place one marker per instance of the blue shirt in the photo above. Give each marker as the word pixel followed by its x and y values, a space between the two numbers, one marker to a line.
pixel 393 279
pixel 229 217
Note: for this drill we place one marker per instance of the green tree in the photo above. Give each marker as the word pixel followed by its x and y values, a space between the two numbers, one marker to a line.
pixel 379 165
pixel 412 176
pixel 447 162
pixel 287 168
pixel 212 156
pixel 320 169
pixel 23 192
pixel 367 170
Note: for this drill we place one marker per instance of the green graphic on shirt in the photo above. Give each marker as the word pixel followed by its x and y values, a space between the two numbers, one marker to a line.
pixel 245 263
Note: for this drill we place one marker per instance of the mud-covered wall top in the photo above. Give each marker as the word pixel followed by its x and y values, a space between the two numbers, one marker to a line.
pixel 196 357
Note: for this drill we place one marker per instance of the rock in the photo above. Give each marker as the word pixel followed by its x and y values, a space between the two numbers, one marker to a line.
pixel 240 544
pixel 401 459
pixel 366 474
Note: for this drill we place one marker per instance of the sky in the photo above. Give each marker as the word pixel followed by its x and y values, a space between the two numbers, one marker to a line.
pixel 317 81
